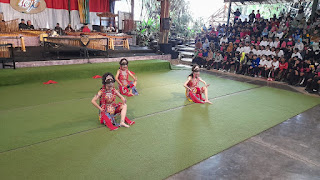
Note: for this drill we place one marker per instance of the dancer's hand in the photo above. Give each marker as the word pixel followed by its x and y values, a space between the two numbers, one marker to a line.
pixel 101 110
pixel 207 85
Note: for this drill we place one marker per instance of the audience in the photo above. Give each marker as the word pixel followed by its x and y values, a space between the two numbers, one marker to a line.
pixel 282 48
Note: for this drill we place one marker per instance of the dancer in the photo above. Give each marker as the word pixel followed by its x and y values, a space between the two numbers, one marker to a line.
pixel 193 91
pixel 126 87
pixel 108 107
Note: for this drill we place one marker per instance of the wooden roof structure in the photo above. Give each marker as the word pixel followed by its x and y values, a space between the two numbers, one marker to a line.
pixel 107 15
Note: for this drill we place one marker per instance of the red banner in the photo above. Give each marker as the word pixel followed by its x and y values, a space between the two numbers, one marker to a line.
pixel 95 5
pixel 99 5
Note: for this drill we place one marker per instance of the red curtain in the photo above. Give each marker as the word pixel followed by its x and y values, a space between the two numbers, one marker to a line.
pixel 99 5
pixel 95 5
pixel 62 4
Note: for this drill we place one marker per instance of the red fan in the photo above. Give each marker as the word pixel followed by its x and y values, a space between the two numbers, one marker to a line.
pixel 96 77
pixel 50 82
pixel 195 98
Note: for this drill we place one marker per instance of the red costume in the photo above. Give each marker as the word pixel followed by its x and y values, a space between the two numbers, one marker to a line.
pixel 195 94
pixel 107 102
pixel 86 29
pixel 126 84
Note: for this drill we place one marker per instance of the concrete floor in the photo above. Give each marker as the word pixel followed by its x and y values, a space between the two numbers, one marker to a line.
pixel 288 151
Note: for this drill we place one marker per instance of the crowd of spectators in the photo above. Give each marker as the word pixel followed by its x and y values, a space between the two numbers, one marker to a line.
pixel 281 48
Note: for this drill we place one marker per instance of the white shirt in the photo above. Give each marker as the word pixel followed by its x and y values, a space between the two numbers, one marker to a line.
pixel 267 52
pixel 273 53
pixel 246 49
pixel 271 44
pixel 275 65
pixel 254 51
pixel 262 52
pixel 240 49
pixel 263 62
pixel 315 46
pixel 259 52
pixel 275 44
pixel 300 46
pixel 223 40
pixel 263 43
pixel 279 35
pixel 280 54
pixel 296 55
pixel 268 63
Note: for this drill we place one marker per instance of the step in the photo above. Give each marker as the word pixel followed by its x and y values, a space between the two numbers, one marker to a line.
pixel 186 59
pixel 186 53
pixel 189 49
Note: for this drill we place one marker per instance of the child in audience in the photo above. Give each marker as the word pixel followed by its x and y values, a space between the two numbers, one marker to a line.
pixel 283 67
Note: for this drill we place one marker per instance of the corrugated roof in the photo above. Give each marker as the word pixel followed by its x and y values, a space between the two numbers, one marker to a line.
pixel 254 2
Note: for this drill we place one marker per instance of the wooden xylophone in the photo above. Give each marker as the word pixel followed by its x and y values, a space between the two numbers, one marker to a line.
pixel 16 40
pixel 9 26
pixel 96 42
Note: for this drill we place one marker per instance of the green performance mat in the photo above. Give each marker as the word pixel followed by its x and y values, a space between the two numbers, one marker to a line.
pixel 52 131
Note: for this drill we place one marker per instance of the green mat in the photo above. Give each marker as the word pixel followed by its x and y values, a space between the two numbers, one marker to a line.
pixel 68 72
pixel 170 133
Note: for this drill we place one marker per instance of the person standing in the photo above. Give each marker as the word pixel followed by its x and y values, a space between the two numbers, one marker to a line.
pixel 252 16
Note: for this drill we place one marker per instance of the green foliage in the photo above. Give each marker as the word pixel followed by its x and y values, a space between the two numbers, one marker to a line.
pixel 181 20
pixel 148 30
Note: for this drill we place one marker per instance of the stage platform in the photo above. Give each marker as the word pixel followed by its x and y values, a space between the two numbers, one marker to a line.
pixel 38 56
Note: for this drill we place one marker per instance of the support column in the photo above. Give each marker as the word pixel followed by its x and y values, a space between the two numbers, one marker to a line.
pixel 229 11
pixel 164 32
pixel 69 9
pixel 132 9
pixel 314 7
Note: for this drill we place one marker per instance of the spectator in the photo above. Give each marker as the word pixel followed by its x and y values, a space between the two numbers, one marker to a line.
pixel 299 45
pixel 252 16
pixel 85 28
pixel 224 39
pixel 68 28
pixel 198 44
pixel 29 25
pixel 205 45
pixel 237 14
pixel 296 53
pixel 258 15
pixel 279 34
pixel 283 67
pixel 58 29
pixel 22 24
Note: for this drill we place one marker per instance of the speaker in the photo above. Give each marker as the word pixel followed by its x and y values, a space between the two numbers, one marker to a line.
pixel 166 23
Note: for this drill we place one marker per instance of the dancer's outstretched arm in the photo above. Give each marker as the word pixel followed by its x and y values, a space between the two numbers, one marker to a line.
pixel 186 83
pixel 133 77
pixel 117 78
pixel 124 101
pixel 94 101
pixel 205 84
